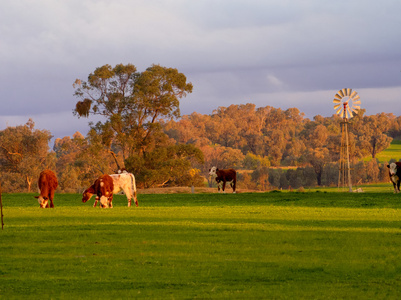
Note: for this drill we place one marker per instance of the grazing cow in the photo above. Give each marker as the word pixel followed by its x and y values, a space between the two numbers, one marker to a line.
pixel 126 182
pixel 103 189
pixel 224 176
pixel 47 185
pixel 395 175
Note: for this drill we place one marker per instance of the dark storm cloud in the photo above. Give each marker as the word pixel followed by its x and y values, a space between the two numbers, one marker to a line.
pixel 278 53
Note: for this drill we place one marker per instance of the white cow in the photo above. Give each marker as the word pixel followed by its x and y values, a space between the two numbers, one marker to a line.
pixel 124 181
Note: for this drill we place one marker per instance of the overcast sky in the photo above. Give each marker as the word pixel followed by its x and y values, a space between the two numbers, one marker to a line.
pixel 281 53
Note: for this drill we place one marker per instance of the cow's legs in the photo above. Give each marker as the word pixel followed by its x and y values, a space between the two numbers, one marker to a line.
pixel 224 186
pixel 398 186
pixel 395 187
pixel 130 197
pixel 130 201
pixel 219 185
pixel 51 198
pixel 233 185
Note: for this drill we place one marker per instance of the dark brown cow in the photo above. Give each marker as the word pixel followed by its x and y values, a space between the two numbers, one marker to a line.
pixel 395 175
pixel 47 185
pixel 103 189
pixel 224 176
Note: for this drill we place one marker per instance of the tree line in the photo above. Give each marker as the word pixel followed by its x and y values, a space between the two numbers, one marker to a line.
pixel 266 139
pixel 141 129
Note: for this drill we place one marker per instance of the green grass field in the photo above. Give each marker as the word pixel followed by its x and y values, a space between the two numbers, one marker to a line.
pixel 277 245
pixel 392 152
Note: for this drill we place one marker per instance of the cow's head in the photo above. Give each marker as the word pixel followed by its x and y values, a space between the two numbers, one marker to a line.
pixel 42 201
pixel 212 171
pixel 392 168
pixel 87 194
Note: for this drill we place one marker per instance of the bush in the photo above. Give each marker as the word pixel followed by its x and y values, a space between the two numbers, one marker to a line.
pixel 13 183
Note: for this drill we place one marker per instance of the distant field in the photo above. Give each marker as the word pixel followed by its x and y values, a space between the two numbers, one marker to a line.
pixel 394 151
pixel 277 245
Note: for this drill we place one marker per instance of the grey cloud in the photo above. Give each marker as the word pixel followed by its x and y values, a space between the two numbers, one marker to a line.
pixel 278 53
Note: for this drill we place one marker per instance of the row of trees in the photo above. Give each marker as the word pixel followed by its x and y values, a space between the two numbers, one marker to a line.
pixel 265 178
pixel 139 128
pixel 25 152
pixel 248 137
pixel 283 135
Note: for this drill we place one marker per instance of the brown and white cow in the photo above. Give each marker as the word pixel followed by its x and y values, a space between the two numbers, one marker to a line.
pixel 103 189
pixel 47 185
pixel 126 182
pixel 395 175
pixel 223 177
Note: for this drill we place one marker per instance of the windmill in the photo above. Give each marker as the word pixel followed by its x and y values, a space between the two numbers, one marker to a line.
pixel 346 104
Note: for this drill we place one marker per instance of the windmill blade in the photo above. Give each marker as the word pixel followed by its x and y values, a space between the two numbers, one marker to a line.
pixel 355 111
pixel 350 112
pixel 349 108
pixel 353 94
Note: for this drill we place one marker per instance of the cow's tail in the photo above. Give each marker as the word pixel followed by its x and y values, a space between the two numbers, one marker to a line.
pixel 133 190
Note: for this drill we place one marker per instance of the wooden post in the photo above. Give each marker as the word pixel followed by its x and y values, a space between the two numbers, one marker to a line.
pixel 1 210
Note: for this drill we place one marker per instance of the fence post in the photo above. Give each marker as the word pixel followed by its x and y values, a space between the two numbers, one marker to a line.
pixel 1 210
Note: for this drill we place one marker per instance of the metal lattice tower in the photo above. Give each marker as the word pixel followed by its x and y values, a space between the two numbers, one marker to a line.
pixel 346 103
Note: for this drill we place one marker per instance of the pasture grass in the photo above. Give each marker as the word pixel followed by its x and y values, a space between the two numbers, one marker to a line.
pixel 277 245
pixel 392 152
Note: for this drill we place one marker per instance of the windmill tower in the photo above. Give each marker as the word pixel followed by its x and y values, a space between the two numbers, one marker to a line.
pixel 346 103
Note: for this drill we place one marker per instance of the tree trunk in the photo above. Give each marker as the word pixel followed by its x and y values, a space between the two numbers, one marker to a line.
pixel 115 158
pixel 29 182
pixel 374 148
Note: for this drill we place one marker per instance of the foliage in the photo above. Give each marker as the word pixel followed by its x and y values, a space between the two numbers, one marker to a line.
pixel 284 138
pixel 24 152
pixel 392 152
pixel 243 137
pixel 81 160
pixel 252 161
pixel 261 177
pixel 167 165
pixel 371 131
pixel 131 104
